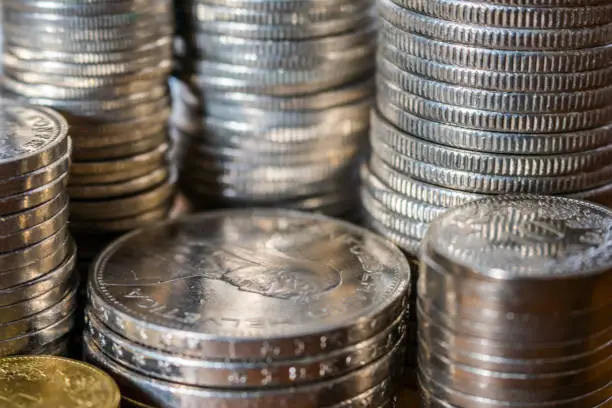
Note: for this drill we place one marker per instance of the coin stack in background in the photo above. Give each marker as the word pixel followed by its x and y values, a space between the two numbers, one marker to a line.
pixel 258 308
pixel 274 109
pixel 514 305
pixel 104 65
pixel 489 97
pixel 37 254
pixel 45 381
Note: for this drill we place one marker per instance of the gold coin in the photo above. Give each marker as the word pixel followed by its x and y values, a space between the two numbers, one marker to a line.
pixel 155 156
pixel 45 381
pixel 122 188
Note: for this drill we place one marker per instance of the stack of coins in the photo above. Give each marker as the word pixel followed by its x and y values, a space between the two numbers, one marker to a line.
pixel 278 111
pixel 488 97
pixel 514 305
pixel 37 254
pixel 257 308
pixel 44 381
pixel 104 66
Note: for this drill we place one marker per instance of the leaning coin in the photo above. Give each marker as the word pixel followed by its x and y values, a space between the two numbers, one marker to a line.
pixel 40 320
pixel 54 381
pixel 32 138
pixel 32 198
pixel 195 329
pixel 37 233
pixel 39 285
pixel 328 393
pixel 30 218
pixel 24 343
pixel 17 311
pixel 36 179
pixel 244 375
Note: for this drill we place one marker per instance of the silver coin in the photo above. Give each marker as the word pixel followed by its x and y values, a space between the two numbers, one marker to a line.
pixel 167 367
pixel 567 61
pixel 27 219
pixel 516 17
pixel 529 37
pixel 156 155
pixel 550 237
pixel 32 138
pixel 198 333
pixel 494 142
pixel 492 80
pixel 39 285
pixel 30 199
pixel 129 148
pixel 327 394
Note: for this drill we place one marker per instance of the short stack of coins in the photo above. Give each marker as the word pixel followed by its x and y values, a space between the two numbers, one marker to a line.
pixel 477 98
pixel 514 305
pixel 104 65
pixel 278 112
pixel 45 381
pixel 258 308
pixel 37 254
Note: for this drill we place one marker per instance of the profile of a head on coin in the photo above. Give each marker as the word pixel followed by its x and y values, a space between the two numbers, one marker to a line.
pixel 525 236
pixel 45 381
pixel 243 264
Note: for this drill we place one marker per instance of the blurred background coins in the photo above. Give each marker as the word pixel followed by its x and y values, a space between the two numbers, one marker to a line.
pixel 514 294
pixel 104 65
pixel 258 308
pixel 481 98
pixel 37 254
pixel 272 108
pixel 44 381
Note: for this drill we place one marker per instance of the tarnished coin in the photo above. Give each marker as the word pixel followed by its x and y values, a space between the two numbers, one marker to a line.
pixel 31 138
pixel 43 381
pixel 230 255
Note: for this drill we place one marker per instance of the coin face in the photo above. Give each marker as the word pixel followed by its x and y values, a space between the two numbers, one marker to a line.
pixel 42 381
pixel 27 131
pixel 518 237
pixel 251 274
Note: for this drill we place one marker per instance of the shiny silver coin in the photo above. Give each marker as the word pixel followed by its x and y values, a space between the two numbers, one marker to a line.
pixel 116 151
pixel 39 285
pixel 324 394
pixel 243 375
pixel 32 138
pixel 550 238
pixel 29 199
pixel 45 176
pixel 115 296
pixel 27 219
pixel 60 347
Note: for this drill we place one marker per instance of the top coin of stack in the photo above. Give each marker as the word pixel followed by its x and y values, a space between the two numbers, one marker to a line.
pixel 514 305
pixel 43 382
pixel 37 255
pixel 280 103
pixel 488 97
pixel 257 308
pixel 104 66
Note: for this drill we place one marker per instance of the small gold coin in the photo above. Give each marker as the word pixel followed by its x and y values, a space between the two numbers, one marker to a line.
pixel 45 381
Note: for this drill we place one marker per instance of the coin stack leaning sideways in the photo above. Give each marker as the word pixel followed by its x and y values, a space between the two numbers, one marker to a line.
pixel 45 381
pixel 514 305
pixel 250 308
pixel 37 254
pixel 104 65
pixel 274 108
pixel 478 98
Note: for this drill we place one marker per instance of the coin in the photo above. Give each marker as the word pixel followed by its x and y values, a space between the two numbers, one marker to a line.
pixel 44 381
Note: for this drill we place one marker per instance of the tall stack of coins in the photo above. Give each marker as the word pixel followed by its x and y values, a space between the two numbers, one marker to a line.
pixel 257 308
pixel 37 254
pixel 43 381
pixel 104 66
pixel 279 111
pixel 487 97
pixel 514 305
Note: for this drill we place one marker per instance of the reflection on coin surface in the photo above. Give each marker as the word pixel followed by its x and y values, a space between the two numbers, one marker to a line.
pixel 509 237
pixel 30 138
pixel 248 276
pixel 40 381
